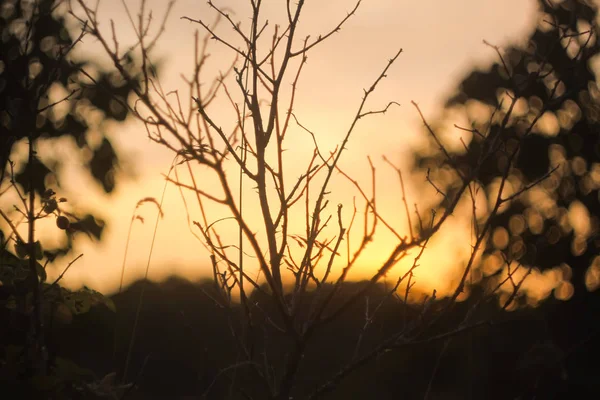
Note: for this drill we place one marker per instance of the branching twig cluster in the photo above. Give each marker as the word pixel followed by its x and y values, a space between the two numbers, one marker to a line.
pixel 254 85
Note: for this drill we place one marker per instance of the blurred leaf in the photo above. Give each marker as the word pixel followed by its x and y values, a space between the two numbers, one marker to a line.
pixel 21 249
pixel 39 253
pixel 90 226
pixel 102 165
pixel 33 174
pixel 540 228
pixel 19 92
pixel 8 259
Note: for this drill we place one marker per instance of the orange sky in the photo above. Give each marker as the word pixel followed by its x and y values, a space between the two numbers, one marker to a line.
pixel 441 39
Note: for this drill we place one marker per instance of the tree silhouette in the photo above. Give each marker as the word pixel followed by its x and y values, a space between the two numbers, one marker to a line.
pixel 35 65
pixel 46 95
pixel 550 81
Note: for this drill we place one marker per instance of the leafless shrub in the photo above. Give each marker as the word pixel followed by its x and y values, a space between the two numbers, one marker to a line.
pixel 254 86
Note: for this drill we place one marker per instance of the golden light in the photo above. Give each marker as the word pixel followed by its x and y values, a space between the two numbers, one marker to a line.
pixel 329 93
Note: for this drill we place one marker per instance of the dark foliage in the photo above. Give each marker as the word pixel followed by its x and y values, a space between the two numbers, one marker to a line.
pixel 578 112
pixel 35 61
pixel 553 74
pixel 184 347
pixel 47 95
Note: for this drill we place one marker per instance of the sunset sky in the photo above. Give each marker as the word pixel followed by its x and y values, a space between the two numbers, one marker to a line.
pixel 441 42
